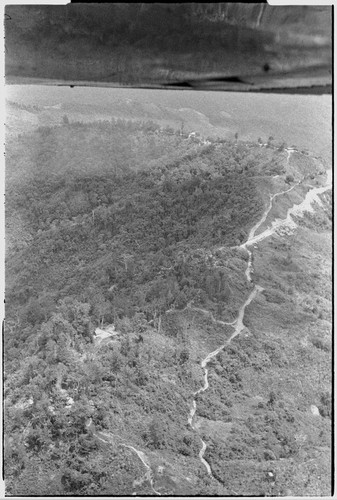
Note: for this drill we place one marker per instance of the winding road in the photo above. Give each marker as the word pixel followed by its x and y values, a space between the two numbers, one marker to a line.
pixel 237 324
pixel 254 239
pixel 109 438
pixel 144 459
pixel 297 210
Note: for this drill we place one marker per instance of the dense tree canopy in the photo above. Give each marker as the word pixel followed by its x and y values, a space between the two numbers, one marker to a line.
pixel 124 222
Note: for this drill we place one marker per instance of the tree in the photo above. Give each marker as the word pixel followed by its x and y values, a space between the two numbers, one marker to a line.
pixel 157 433
pixel 33 312
pixel 116 363
pixel 270 139
pixel 78 315
pixel 325 406
pixel 272 398
pixel 183 355
pixel 102 307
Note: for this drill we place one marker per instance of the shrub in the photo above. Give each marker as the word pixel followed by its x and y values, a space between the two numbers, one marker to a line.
pixel 325 406
pixel 274 296
pixel 269 455
pixel 319 344
pixel 272 398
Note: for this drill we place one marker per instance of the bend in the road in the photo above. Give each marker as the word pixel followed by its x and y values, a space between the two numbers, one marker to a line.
pixel 299 209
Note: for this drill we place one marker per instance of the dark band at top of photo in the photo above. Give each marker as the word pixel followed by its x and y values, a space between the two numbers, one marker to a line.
pixel 208 46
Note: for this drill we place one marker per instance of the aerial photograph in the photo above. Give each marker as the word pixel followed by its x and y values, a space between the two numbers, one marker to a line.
pixel 168 250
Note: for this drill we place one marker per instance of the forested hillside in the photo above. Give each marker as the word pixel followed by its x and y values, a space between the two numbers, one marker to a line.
pixel 123 200
pixel 128 224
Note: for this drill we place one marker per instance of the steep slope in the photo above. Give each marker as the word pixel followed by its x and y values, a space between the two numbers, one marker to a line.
pixel 126 223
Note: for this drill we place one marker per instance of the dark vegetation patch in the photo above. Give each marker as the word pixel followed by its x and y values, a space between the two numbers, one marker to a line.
pixel 103 231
